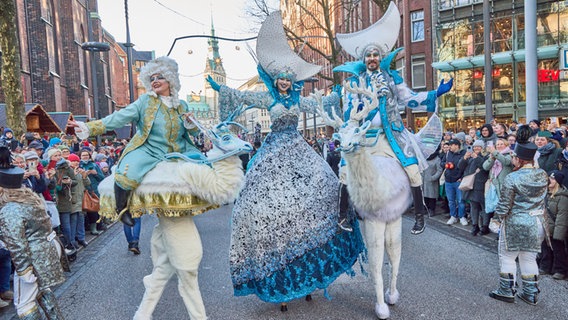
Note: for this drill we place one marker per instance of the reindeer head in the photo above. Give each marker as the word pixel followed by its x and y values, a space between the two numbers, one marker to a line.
pixel 351 134
pixel 223 139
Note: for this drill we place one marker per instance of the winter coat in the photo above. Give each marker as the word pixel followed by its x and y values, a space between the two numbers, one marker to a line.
pixel 563 166
pixel 469 166
pixel 431 178
pixel 455 174
pixel 557 208
pixel 63 191
pixel 77 192
pixel 507 165
pixel 333 159
pixel 95 178
pixel 547 162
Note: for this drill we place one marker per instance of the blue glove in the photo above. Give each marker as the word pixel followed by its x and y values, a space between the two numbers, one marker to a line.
pixel 444 87
pixel 213 84
pixel 337 89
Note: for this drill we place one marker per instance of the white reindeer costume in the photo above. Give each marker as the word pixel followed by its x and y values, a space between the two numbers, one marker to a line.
pixel 383 159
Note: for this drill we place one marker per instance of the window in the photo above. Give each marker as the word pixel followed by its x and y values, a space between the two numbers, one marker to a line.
pixel 417 20
pixel 400 67
pixel 418 71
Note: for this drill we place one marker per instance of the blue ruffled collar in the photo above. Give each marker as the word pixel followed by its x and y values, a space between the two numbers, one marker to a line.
pixel 287 100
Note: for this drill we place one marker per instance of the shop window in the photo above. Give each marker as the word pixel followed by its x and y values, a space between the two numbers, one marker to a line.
pixel 417 20
pixel 548 76
pixel 502 83
pixel 418 71
pixel 547 25
pixel 501 33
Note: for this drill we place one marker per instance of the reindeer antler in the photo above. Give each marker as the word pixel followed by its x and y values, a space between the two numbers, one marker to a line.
pixel 336 122
pixel 368 104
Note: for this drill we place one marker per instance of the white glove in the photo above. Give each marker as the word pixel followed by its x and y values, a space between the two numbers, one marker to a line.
pixel 82 131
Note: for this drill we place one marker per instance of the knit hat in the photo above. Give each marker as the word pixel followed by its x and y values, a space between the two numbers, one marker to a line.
pixel 36 145
pixel 30 155
pixel 6 130
pixel 54 141
pixel 536 121
pixel 51 152
pixel 73 157
pixel 558 176
pixel 454 141
pixel 460 136
pixel 168 68
pixel 103 165
pixel 544 133
pixel 479 143
pixel 99 157
pixel 63 147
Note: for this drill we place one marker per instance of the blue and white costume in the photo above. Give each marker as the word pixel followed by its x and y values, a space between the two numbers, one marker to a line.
pixel 285 241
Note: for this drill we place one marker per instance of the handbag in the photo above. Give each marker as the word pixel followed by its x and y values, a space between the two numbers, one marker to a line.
pixel 90 202
pixel 467 181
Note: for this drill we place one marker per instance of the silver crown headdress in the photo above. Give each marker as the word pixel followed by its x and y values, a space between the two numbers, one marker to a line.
pixel 382 35
pixel 275 55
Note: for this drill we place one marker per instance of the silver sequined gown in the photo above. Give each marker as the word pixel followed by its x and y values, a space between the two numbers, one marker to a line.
pixel 285 241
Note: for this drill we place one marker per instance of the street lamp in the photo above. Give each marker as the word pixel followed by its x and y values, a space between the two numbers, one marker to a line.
pixel 93 47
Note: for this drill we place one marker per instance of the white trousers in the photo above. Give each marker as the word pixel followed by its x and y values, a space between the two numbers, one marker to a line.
pixel 527 260
pixel 175 249
pixel 25 294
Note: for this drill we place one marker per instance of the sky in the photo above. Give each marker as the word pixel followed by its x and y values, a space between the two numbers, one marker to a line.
pixel 154 24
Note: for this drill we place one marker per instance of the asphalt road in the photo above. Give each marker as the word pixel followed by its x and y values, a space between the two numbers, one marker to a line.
pixel 445 274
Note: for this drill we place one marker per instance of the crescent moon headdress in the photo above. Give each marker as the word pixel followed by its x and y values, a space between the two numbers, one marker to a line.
pixel 381 35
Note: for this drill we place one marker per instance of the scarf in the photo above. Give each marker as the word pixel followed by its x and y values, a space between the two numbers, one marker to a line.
pixel 546 149
pixel 498 165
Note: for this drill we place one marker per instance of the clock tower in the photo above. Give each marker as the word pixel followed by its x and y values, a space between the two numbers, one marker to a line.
pixel 213 68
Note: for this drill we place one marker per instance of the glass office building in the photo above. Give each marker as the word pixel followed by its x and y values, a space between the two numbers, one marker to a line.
pixel 459 50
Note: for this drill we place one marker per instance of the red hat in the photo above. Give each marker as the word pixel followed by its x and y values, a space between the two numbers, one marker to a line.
pixel 73 157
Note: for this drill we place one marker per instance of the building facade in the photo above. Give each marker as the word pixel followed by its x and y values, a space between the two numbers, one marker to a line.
pixel 459 51
pixel 351 16
pixel 56 71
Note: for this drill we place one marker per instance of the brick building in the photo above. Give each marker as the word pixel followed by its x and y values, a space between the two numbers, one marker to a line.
pixel 56 71
pixel 351 16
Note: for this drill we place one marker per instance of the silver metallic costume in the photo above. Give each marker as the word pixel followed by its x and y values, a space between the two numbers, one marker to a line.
pixel 26 230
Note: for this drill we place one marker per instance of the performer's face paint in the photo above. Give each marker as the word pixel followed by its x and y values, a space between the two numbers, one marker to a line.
pixel 160 85
pixel 372 59
pixel 283 85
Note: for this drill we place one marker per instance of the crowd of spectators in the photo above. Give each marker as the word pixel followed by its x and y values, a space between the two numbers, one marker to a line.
pixel 488 150
pixel 59 169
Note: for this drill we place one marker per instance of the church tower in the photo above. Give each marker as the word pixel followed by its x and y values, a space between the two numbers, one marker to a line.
pixel 213 68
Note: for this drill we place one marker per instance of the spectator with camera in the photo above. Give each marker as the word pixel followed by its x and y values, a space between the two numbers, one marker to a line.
pixel 77 217
pixel 472 162
pixel 453 175
pixel 32 178
pixel 65 177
